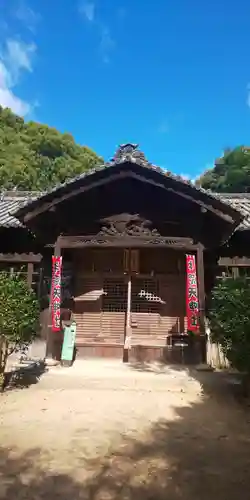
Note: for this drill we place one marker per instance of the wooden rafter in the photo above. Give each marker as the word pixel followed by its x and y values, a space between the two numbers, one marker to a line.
pixel 49 205
pixel 206 206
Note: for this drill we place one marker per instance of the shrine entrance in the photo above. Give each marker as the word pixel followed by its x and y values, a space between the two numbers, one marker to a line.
pixel 125 298
pixel 131 309
pixel 128 227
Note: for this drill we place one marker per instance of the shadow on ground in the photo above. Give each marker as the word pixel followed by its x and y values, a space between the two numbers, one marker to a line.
pixel 202 454
pixel 25 376
pixel 212 382
pixel 159 367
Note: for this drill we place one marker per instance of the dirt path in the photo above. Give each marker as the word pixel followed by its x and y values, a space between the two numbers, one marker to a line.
pixel 135 435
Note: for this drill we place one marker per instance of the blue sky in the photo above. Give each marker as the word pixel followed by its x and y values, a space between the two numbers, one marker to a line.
pixel 172 76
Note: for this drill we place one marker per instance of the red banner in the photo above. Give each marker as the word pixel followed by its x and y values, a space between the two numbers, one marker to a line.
pixel 192 302
pixel 56 293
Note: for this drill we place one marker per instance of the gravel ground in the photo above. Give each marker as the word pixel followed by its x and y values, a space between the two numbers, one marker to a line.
pixel 102 431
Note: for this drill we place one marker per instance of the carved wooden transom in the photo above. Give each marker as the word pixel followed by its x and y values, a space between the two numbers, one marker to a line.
pixel 127 225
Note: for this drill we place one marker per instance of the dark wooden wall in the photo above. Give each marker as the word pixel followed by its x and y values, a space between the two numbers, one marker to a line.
pixel 172 215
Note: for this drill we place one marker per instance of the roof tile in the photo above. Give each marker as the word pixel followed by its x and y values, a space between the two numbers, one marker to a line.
pixel 10 202
pixel 239 201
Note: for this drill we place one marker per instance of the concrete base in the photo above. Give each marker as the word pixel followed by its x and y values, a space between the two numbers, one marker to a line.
pixel 37 350
pixel 51 362
pixel 203 367
pixel 66 363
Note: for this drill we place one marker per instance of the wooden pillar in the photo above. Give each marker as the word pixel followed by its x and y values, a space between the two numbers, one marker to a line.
pixel 57 248
pixel 235 272
pixel 129 305
pixel 30 274
pixel 127 344
pixel 202 299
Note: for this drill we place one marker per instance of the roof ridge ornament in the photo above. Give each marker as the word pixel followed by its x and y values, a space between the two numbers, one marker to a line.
pixel 127 148
pixel 129 152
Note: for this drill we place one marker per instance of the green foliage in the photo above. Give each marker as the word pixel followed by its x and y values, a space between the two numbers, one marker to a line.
pixel 230 322
pixel 19 315
pixel 37 157
pixel 231 173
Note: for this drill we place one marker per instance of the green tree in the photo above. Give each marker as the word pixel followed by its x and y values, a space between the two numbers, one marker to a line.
pixel 19 316
pixel 228 314
pixel 37 157
pixel 231 173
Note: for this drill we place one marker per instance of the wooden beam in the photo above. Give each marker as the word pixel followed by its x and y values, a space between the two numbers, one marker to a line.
pixel 20 257
pixel 188 197
pixel 48 205
pixel 234 262
pixel 126 242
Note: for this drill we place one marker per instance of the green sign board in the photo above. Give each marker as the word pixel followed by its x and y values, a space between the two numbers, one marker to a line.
pixel 68 343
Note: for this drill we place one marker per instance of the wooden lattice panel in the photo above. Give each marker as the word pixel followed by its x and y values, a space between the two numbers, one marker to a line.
pixel 145 295
pixel 115 295
pixel 114 306
pixel 145 306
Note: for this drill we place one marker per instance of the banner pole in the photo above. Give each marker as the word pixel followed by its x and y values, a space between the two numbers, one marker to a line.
pixel 50 340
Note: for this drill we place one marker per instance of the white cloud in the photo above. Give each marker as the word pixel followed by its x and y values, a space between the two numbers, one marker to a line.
pixel 208 166
pixel 26 15
pixel 106 43
pixel 16 58
pixel 5 80
pixel 19 55
pixel 88 10
pixel 9 100
pixel 186 177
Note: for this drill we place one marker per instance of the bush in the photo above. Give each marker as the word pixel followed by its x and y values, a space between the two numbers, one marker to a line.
pixel 19 316
pixel 229 315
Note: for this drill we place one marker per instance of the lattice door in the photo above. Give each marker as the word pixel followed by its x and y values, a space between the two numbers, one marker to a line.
pixel 114 307
pixel 145 295
pixel 145 309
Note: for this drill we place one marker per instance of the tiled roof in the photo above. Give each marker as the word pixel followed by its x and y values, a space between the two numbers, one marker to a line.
pixel 239 201
pixel 10 202
pixel 125 153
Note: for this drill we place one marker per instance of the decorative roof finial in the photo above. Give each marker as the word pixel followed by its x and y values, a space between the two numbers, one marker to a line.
pixel 128 147
pixel 124 151
pixel 129 153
